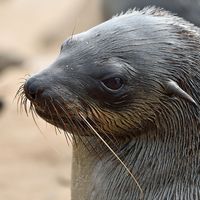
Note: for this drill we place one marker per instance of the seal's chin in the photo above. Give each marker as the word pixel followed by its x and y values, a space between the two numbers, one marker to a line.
pixel 67 121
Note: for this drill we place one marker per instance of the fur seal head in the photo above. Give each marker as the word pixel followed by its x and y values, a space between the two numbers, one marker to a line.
pixel 136 76
pixel 119 74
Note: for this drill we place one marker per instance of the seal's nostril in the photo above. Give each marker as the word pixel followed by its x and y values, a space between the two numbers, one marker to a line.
pixel 33 89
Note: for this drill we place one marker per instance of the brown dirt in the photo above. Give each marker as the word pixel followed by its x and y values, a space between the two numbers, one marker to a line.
pixel 34 164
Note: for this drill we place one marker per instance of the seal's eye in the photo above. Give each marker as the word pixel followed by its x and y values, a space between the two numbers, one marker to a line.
pixel 113 83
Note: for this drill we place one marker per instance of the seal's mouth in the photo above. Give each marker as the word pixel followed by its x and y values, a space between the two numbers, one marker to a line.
pixel 62 118
pixel 55 110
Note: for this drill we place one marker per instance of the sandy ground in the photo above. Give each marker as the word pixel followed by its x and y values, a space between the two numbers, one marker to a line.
pixel 35 164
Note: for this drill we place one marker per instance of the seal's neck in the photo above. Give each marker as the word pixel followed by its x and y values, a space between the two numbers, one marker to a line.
pixel 166 164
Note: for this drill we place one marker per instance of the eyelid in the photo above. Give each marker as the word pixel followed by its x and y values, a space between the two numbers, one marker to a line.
pixel 103 83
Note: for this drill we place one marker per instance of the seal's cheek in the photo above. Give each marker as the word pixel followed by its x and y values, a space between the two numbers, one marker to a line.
pixel 108 98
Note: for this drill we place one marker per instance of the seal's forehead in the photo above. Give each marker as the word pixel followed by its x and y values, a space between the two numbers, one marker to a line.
pixel 130 37
pixel 131 22
pixel 134 26
pixel 147 24
pixel 127 28
pixel 116 25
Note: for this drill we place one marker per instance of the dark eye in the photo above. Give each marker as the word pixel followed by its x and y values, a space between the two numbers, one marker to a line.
pixel 113 83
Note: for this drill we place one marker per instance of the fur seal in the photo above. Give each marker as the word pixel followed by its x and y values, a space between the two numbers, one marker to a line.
pixel 128 92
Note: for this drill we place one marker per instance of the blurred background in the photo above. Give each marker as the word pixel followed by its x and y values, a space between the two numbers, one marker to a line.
pixel 36 163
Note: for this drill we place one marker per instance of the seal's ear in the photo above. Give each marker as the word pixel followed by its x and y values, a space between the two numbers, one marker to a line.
pixel 173 89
